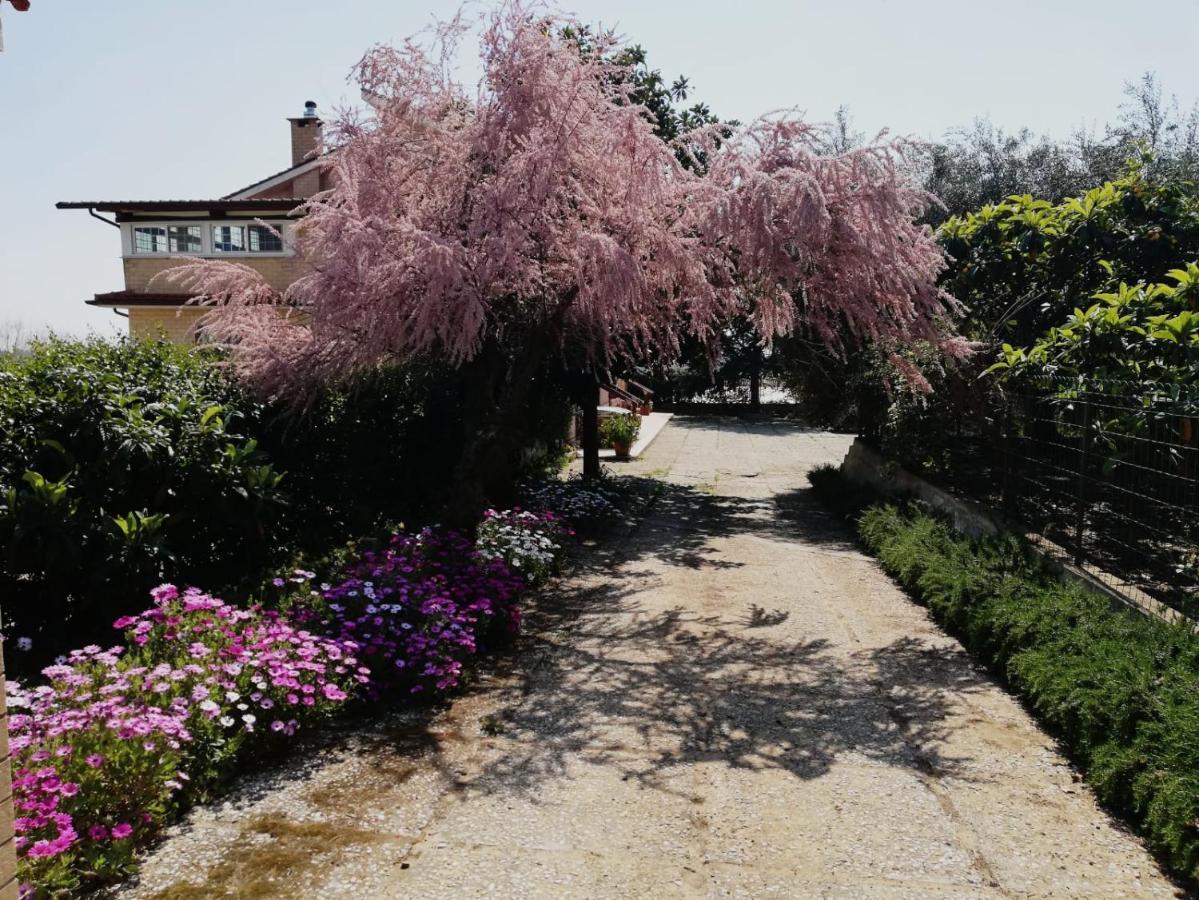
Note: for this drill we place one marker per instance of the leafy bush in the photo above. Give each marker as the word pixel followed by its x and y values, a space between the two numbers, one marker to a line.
pixel 1119 689
pixel 124 465
pixel 367 454
pixel 528 542
pixel 620 429
pixel 121 464
pixel 836 491
pixel 1100 285
pixel 1023 265
pixel 1138 332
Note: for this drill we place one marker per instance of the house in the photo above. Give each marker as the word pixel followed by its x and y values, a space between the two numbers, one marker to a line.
pixel 155 233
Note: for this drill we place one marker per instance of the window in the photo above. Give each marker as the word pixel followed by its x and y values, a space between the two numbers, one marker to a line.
pixel 166 239
pixel 228 239
pixel 264 240
pixel 245 239
pixel 207 238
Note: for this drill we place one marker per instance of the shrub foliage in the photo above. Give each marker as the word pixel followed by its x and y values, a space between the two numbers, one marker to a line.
pixel 123 465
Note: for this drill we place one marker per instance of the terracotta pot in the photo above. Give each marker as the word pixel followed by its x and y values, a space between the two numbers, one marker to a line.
pixel 622 449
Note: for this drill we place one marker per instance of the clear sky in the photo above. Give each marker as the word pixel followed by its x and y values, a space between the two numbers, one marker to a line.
pixel 155 99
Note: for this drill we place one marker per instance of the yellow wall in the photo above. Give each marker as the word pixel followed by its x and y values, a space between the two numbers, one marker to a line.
pixel 279 272
pixel 168 322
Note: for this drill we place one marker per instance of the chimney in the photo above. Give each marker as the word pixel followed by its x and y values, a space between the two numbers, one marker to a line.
pixel 305 135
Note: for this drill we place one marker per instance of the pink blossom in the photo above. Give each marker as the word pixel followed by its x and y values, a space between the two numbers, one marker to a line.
pixel 596 231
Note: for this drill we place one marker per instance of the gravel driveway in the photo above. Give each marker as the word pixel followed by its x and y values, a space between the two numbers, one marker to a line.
pixel 732 701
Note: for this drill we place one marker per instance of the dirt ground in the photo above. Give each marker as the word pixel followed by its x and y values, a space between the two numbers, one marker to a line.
pixel 731 700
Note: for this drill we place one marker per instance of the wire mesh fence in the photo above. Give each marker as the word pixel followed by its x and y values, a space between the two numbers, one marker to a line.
pixel 1106 473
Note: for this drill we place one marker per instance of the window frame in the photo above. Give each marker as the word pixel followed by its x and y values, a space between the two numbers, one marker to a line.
pixel 166 227
pixel 207 244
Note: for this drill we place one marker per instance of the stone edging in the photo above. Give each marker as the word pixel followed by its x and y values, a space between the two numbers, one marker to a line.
pixel 865 466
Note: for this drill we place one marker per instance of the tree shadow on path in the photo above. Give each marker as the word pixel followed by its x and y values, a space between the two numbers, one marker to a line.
pixel 601 679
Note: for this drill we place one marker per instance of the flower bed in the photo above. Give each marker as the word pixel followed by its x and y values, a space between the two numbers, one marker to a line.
pixel 118 742
pixel 529 542
pixel 419 609
pixel 584 505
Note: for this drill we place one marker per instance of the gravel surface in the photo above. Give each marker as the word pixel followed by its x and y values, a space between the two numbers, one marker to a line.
pixel 731 700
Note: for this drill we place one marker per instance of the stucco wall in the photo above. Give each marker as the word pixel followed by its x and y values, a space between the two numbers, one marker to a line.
pixel 279 272
pixel 164 322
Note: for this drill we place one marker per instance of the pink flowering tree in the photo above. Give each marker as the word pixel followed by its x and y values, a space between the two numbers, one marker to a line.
pixel 536 222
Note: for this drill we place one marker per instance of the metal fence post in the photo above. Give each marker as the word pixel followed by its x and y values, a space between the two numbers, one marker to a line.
pixel 8 846
pixel 1084 452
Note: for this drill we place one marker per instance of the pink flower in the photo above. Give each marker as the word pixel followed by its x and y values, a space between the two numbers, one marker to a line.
pixel 121 831
pixel 162 594
pixel 333 692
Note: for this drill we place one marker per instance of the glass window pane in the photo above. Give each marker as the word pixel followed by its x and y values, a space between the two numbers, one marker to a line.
pixel 263 240
pixel 228 239
pixel 184 238
pixel 149 239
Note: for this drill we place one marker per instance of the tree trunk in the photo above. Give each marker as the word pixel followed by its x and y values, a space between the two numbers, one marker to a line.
pixel 755 380
pixel 590 401
pixel 495 423
pixel 499 382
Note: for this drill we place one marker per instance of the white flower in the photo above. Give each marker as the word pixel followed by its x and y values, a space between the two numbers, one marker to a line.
pixel 24 643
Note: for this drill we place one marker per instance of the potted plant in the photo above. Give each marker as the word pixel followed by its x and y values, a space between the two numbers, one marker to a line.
pixel 620 431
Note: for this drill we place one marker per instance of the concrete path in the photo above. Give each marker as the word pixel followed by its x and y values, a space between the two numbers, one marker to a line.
pixel 737 703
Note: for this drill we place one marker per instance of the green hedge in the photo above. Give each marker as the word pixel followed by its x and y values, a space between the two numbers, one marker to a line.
pixel 1120 690
pixel 121 464
pixel 126 464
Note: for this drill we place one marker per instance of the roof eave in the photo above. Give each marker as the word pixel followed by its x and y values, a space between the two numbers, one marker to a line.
pixel 287 205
